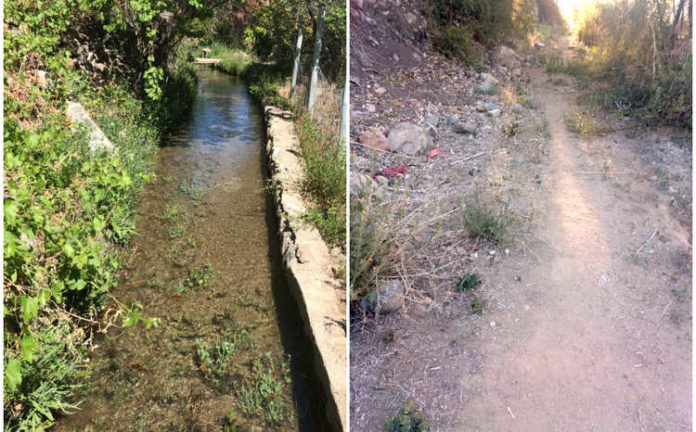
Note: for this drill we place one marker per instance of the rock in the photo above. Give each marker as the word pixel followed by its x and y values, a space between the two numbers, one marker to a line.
pixel 532 102
pixel 387 298
pixel 410 18
pixel 370 108
pixel 506 56
pixel 41 80
pixel 485 76
pixel 452 119
pixel 98 142
pixel 374 139
pixel 465 127
pixel 516 108
pixel 380 90
pixel 539 45
pixel 410 139
pixel 432 119
pixel 494 113
pixel 492 106
pixel 486 87
pixel 362 185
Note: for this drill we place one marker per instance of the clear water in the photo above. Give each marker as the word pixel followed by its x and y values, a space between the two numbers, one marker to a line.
pixel 207 213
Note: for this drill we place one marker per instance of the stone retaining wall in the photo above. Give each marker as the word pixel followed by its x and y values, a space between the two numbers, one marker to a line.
pixel 308 266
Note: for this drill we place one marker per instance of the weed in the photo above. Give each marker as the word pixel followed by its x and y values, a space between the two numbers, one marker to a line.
pixel 176 232
pixel 512 129
pixel 388 336
pixel 200 277
pixel 477 305
pixel 173 213
pixel 266 389
pixel 250 301
pixel 485 222
pixel 194 192
pixel 234 62
pixel 467 283
pixel 324 160
pixel 585 124
pixel 409 419
pixel 214 359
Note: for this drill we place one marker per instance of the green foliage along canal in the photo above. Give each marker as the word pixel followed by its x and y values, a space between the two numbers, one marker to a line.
pixel 220 350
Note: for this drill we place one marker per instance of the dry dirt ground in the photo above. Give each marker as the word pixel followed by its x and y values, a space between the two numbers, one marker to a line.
pixel 587 320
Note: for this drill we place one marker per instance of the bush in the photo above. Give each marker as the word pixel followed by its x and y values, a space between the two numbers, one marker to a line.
pixel 66 211
pixel 485 222
pixel 325 170
pixel 233 61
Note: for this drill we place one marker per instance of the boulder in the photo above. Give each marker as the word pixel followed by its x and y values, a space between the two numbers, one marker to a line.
pixel 486 87
pixel 507 57
pixel 410 139
pixel 387 298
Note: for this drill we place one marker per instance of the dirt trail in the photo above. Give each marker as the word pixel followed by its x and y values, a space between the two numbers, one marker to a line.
pixel 594 336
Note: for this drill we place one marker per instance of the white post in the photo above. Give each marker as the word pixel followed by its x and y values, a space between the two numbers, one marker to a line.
pixel 344 110
pixel 296 66
pixel 315 63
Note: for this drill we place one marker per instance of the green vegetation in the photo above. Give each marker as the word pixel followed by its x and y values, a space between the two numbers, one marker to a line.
pixel 486 222
pixel 233 61
pixel 409 419
pixel 477 305
pixel 584 123
pixel 467 283
pixel 325 169
pixel 643 50
pixel 465 28
pixel 214 359
pixel 265 390
pixel 512 129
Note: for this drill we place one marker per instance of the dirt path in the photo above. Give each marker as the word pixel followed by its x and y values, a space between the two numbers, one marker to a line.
pixel 595 335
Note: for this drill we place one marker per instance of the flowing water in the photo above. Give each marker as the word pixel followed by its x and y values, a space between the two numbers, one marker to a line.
pixel 206 262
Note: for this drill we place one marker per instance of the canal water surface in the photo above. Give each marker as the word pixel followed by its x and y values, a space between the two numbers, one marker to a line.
pixel 205 263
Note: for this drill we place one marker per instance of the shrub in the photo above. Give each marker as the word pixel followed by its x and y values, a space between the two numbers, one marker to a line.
pixel 409 419
pixel 325 170
pixel 485 222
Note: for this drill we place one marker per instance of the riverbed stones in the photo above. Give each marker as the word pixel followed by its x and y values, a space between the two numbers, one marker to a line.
pixel 386 299
pixel 410 139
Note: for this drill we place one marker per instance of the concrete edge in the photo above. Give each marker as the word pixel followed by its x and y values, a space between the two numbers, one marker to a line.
pixel 308 264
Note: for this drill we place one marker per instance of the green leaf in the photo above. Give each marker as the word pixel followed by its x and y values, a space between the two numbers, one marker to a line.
pixel 28 348
pixel 133 316
pixel 13 374
pixel 30 307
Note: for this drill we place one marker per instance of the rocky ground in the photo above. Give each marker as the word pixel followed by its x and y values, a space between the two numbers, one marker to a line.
pixel 582 319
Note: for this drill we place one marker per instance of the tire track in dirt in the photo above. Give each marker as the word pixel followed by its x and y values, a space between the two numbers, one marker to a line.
pixel 586 340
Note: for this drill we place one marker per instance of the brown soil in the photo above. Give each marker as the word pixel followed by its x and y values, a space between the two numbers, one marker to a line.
pixel 587 324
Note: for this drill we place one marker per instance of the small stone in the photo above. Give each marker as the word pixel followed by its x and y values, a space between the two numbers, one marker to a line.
pixel 507 251
pixel 492 252
pixel 380 90
pixel 480 107
pixel 370 108
pixel 387 298
pixel 453 119
pixel 486 87
pixel 465 127
pixel 410 18
pixel 432 119
pixel 492 106
pixel 539 45
pixel 494 113
pixel 374 139
pixel 516 108
pixel 492 323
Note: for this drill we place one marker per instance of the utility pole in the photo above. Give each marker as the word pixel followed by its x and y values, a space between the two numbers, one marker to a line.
pixel 315 63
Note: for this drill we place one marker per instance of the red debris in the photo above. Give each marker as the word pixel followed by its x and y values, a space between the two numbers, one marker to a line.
pixel 434 152
pixel 176 297
pixel 393 171
pixel 137 367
